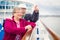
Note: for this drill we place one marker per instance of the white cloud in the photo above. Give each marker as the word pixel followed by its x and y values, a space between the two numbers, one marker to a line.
pixel 50 2
pixel 43 2
pixel 50 6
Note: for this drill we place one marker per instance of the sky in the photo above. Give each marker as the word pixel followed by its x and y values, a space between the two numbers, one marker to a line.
pixel 46 7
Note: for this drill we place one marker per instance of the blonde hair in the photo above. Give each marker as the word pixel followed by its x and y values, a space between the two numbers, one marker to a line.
pixel 14 10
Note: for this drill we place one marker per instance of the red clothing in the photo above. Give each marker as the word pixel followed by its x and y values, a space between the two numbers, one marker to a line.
pixel 11 29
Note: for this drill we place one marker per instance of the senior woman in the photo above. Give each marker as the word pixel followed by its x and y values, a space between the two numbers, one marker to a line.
pixel 16 27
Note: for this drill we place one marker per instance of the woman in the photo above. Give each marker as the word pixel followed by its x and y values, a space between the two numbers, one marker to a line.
pixel 16 27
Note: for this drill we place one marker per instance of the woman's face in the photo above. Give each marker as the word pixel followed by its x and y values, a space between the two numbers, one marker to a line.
pixel 19 12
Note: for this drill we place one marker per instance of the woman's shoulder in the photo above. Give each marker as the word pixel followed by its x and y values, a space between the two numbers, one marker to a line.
pixel 8 19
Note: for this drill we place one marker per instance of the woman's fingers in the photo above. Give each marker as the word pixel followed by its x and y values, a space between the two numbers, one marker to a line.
pixel 36 8
pixel 28 27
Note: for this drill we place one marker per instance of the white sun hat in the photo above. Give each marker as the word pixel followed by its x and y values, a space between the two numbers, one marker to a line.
pixel 21 6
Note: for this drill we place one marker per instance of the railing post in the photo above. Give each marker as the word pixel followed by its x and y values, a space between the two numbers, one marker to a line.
pixel 27 34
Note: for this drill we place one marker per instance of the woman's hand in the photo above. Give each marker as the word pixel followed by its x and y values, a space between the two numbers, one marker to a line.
pixel 28 27
pixel 28 32
pixel 36 8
